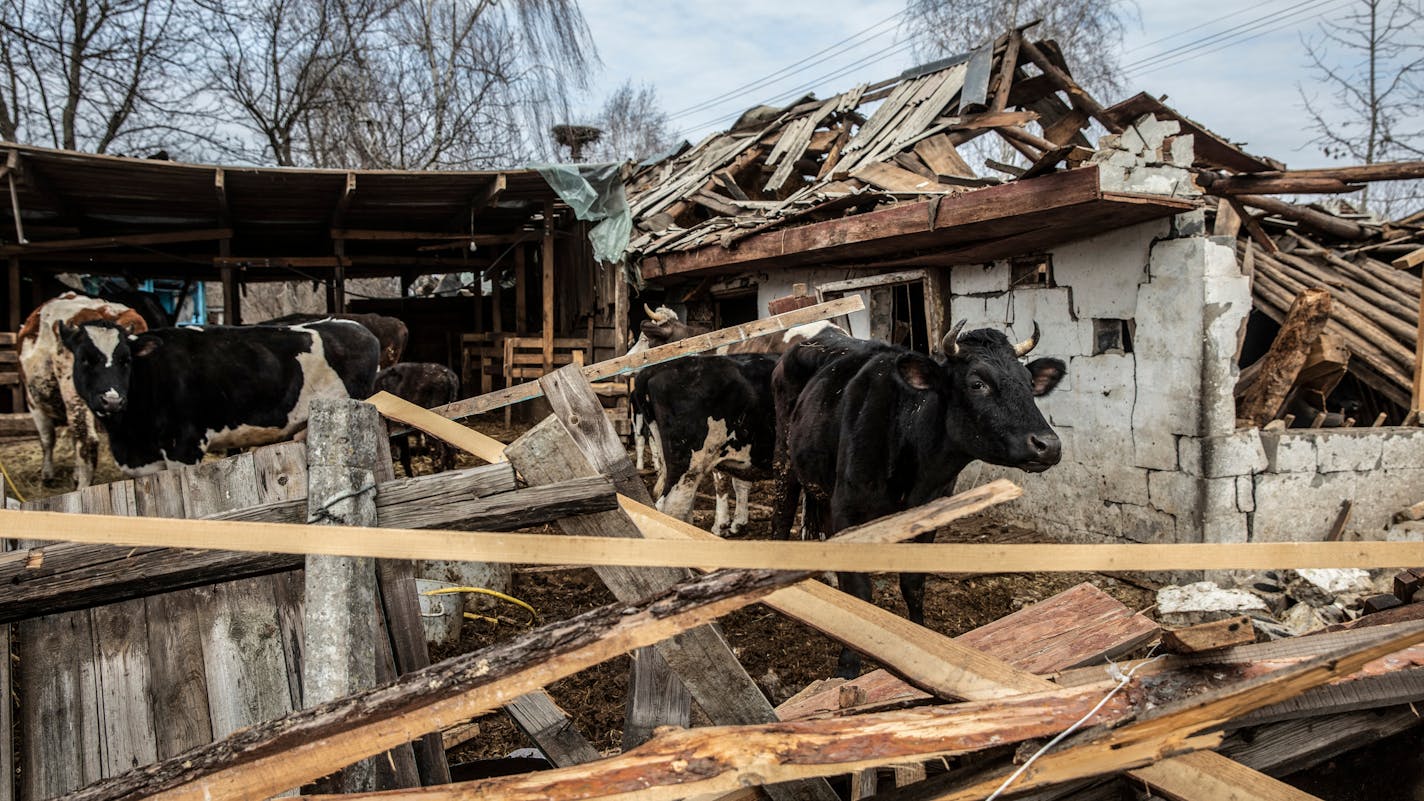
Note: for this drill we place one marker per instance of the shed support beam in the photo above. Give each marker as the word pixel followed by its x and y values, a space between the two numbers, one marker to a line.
pixel 547 292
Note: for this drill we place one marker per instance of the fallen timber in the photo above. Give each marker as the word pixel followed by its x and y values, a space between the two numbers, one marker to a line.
pixel 678 764
pixel 551 549
pixel 63 576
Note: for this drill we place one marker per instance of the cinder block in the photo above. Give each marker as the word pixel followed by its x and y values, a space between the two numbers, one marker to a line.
pixel 1181 258
pixel 1122 483
pixel 1143 524
pixel 979 279
pixel 1289 451
pixel 1348 449
pixel 1102 269
pixel 1299 507
pixel 1189 223
pixel 1236 454
pixel 1174 493
pixel 1402 448
pixel 1181 151
pixel 1153 447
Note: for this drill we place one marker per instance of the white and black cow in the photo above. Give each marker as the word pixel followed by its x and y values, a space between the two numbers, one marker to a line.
pixel 868 428
pixel 713 415
pixel 168 396
pixel 47 370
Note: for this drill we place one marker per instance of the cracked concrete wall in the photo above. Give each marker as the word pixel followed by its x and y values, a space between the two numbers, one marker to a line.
pixel 1146 430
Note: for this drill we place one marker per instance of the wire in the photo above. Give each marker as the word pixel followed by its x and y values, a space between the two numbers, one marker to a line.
pixel 1169 37
pixel 1270 22
pixel 11 482
pixel 1232 43
pixel 789 70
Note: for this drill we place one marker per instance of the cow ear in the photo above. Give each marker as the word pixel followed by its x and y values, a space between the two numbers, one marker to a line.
pixel 916 370
pixel 64 332
pixel 144 345
pixel 1046 373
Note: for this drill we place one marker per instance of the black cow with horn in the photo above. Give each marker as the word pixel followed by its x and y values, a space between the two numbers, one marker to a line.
pixel 867 429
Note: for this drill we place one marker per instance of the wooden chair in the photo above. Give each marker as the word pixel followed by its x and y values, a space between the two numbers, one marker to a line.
pixel 524 359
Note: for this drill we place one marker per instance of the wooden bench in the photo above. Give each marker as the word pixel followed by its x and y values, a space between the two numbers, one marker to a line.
pixel 10 372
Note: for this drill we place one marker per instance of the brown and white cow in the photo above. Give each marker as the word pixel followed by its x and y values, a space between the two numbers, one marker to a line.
pixel 47 368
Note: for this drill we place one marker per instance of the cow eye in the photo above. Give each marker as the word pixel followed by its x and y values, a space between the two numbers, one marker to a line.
pixel 975 385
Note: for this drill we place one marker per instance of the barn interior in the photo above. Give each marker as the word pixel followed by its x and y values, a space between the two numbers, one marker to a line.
pixel 157 655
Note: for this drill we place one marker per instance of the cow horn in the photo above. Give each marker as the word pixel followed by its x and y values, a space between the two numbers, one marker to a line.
pixel 652 315
pixel 1027 345
pixel 950 343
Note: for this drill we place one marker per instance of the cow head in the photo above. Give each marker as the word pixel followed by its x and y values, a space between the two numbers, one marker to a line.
pixel 662 327
pixel 103 355
pixel 990 396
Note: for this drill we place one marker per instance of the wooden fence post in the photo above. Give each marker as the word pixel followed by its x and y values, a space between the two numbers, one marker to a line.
pixel 341 608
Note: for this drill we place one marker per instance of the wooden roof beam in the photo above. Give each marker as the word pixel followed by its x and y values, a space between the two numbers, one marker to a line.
pixel 220 195
pixel 1079 96
pixel 481 200
pixel 91 243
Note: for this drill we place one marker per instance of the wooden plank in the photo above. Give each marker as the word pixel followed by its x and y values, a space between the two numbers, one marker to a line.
pixel 867 281
pixel 848 556
pixel 894 179
pixel 1079 96
pixel 939 155
pixel 551 729
pixel 1008 65
pixel 59 713
pixel 1263 399
pixel 1208 636
pixel 178 679
pixel 130 240
pixel 1409 260
pixel 1205 774
pixel 298 748
pixel 631 363
pixel 655 695
pixel 244 662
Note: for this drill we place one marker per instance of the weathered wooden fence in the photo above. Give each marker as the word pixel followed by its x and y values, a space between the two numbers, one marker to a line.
pixel 107 689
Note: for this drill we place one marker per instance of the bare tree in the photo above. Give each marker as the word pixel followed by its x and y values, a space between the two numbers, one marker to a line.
pixel 92 74
pixel 1370 63
pixel 272 65
pixel 1089 32
pixel 633 126
pixel 412 84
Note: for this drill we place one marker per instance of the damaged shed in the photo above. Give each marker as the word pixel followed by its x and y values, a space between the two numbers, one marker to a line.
pixel 1123 255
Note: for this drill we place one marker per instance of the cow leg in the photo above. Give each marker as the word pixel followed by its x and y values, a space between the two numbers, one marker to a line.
pixel 403 445
pixel 857 584
pixel 912 588
pixel 84 429
pixel 640 441
pixel 743 490
pixel 719 520
pixel 45 425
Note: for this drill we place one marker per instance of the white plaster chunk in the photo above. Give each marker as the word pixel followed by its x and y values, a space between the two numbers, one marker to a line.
pixel 1326 583
pixel 1204 602
pixel 1402 448
pixel 1182 150
pixel 979 279
pixel 1302 619
pixel 1289 451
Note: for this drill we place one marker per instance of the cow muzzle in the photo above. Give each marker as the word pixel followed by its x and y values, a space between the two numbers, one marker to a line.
pixel 1045 450
pixel 111 402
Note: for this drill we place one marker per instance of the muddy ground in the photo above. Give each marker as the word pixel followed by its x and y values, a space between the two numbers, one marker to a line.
pixel 782 656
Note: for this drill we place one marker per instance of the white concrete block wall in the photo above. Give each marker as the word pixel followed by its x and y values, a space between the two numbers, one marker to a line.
pixel 779 285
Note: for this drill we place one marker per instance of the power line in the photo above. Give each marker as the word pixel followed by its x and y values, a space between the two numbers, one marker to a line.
pixel 1238 37
pixel 1299 9
pixel 838 73
pixel 790 69
pixel 1169 37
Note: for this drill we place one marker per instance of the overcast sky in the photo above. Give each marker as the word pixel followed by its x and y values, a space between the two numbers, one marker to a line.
pixel 709 61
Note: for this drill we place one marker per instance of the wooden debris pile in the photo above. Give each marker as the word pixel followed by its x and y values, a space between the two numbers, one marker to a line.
pixel 944 718
pixel 1369 325
pixel 819 159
